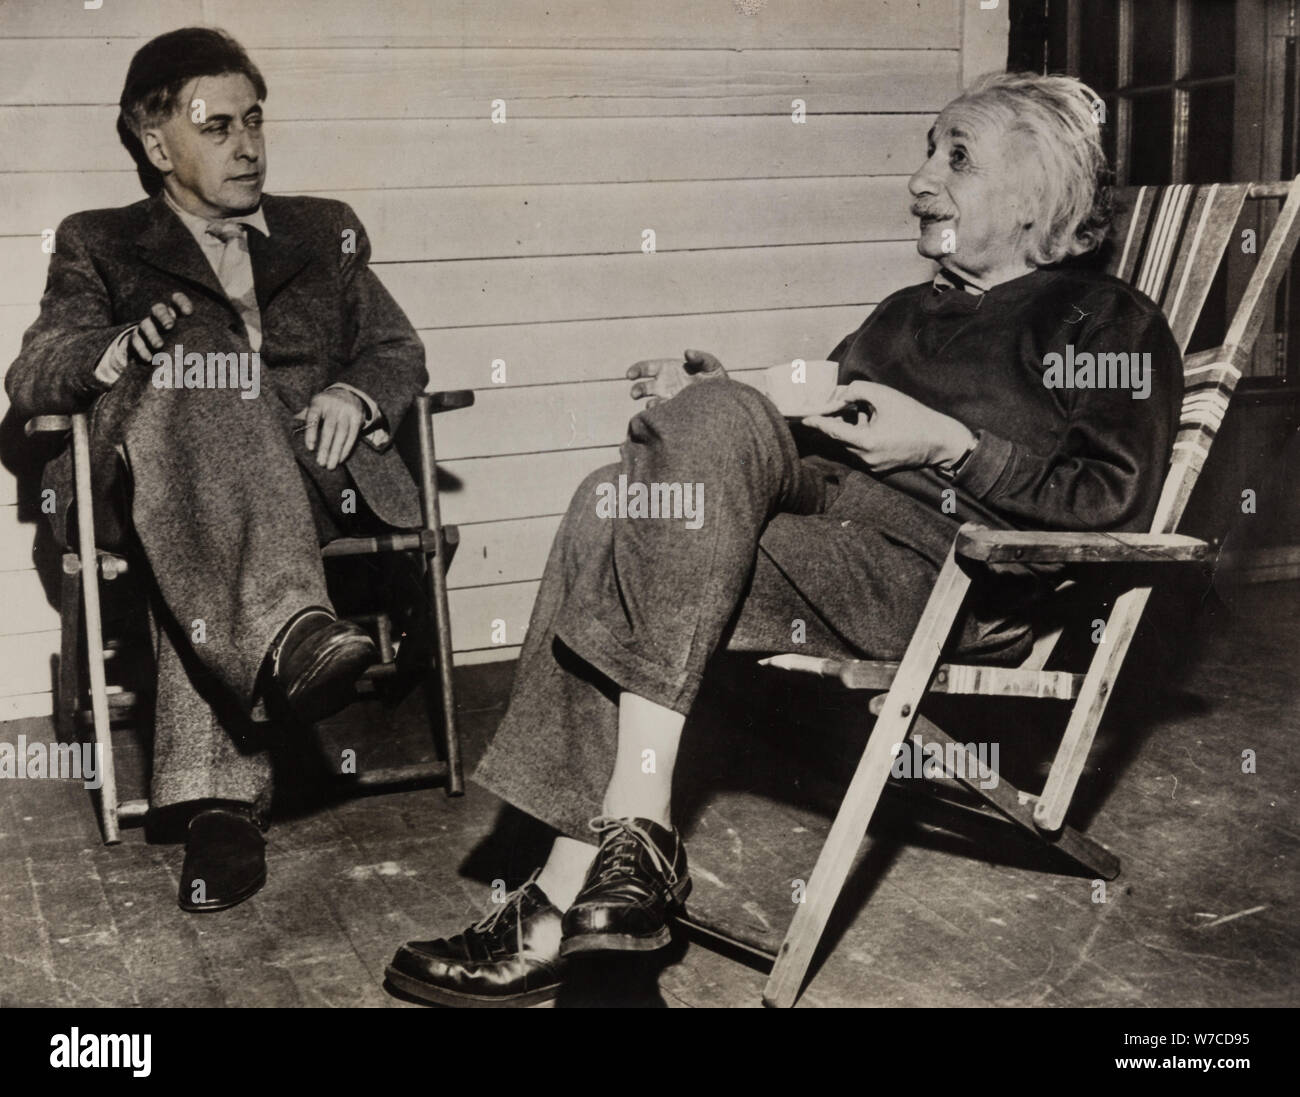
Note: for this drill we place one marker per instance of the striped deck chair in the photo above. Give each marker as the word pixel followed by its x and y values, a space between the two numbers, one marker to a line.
pixel 1167 241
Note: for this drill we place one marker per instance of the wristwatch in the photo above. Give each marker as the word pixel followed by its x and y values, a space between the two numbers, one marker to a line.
pixel 952 470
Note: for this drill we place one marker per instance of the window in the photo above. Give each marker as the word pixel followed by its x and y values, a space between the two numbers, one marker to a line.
pixel 1196 91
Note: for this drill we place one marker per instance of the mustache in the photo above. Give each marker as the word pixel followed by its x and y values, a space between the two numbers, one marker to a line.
pixel 926 209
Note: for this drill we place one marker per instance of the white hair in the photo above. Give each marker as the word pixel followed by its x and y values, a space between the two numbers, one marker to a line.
pixel 1068 171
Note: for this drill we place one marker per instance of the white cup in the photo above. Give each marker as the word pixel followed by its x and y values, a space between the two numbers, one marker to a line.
pixel 801 388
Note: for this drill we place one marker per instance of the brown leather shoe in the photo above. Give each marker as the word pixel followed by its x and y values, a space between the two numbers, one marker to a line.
pixel 637 880
pixel 315 663
pixel 225 859
pixel 508 958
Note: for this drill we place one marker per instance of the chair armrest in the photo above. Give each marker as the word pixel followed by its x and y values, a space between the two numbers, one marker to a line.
pixel 44 424
pixel 1003 546
pixel 434 402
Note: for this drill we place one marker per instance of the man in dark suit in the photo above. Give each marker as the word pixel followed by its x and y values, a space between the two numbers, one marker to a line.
pixel 245 372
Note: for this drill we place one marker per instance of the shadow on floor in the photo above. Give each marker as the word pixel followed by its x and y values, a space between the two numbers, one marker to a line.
pixel 942 908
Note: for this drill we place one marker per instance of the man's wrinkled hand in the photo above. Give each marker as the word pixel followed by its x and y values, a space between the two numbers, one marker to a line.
pixel 893 430
pixel 334 419
pixel 663 378
pixel 147 338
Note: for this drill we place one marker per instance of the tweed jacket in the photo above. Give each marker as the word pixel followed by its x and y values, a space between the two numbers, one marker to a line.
pixel 325 317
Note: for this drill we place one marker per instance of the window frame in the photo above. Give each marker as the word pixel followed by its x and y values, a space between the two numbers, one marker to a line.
pixel 1266 90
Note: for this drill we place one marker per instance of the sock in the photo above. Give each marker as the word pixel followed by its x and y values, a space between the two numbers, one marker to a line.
pixel 565 871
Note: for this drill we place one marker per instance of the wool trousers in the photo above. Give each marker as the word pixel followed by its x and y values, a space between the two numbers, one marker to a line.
pixel 230 524
pixel 790 553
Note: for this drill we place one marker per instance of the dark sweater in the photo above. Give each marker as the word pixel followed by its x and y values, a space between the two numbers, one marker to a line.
pixel 1051 458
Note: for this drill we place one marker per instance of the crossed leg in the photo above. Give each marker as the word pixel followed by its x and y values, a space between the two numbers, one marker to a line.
pixel 629 613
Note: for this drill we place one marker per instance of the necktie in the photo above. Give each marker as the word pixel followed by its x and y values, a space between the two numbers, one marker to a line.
pixel 235 273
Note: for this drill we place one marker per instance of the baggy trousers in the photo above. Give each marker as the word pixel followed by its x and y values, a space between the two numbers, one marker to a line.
pixel 231 528
pixel 792 554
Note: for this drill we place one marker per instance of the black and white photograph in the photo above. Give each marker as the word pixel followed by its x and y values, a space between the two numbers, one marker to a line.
pixel 603 504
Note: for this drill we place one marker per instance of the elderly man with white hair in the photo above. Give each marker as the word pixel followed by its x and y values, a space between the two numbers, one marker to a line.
pixel 827 532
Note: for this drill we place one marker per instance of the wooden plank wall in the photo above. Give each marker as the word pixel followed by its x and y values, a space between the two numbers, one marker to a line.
pixel 522 241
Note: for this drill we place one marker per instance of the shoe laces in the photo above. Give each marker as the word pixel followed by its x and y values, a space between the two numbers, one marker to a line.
pixel 619 843
pixel 488 924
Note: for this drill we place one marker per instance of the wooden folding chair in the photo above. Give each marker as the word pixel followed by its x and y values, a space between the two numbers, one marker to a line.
pixel 80 595
pixel 1168 242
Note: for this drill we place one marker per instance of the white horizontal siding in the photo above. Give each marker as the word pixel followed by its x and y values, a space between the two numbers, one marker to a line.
pixel 510 221
pixel 557 24
pixel 452 82
pixel 520 242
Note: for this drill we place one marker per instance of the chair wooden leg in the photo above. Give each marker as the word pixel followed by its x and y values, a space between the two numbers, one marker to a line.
pixel 442 623
pixel 436 576
pixel 69 678
pixel 1089 707
pixel 850 827
pixel 94 628
pixel 1018 807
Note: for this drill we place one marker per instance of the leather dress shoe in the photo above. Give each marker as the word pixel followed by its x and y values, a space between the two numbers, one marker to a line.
pixel 508 958
pixel 637 880
pixel 316 660
pixel 225 859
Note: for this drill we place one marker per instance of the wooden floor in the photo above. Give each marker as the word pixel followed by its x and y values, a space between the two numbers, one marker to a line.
pixel 942 910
